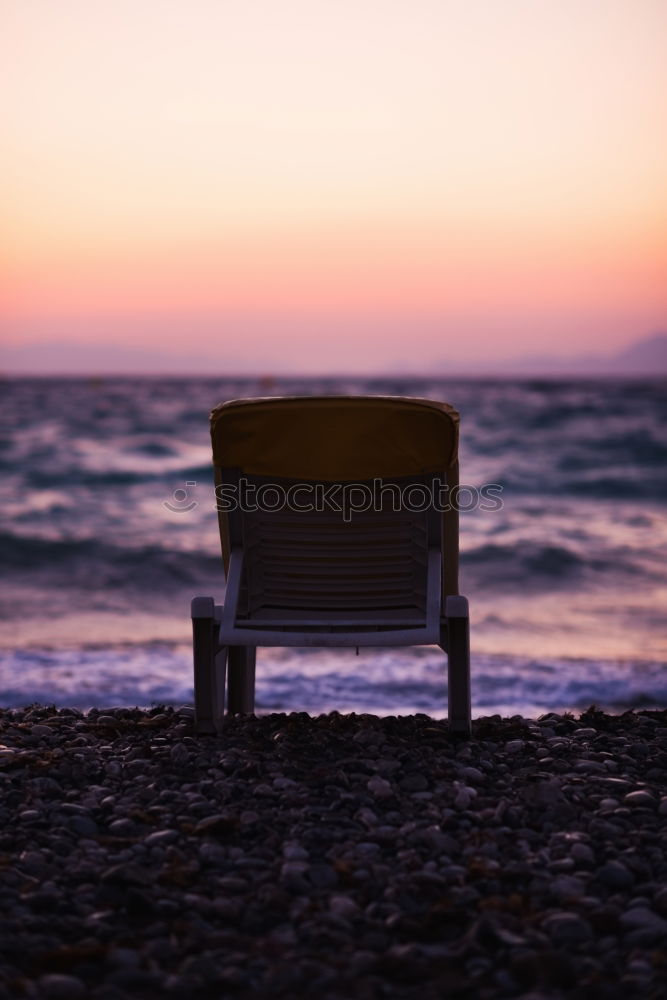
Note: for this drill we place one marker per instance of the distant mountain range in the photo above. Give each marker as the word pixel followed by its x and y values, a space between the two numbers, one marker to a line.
pixel 109 359
pixel 646 357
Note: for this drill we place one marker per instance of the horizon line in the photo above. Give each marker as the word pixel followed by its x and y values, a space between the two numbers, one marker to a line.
pixel 402 376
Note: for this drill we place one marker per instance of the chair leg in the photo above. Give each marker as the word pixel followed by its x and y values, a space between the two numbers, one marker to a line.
pixel 208 667
pixel 241 684
pixel 218 677
pixel 458 662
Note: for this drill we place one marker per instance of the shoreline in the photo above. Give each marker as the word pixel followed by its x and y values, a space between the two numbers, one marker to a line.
pixel 334 856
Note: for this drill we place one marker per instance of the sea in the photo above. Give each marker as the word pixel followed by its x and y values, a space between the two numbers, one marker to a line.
pixel 109 528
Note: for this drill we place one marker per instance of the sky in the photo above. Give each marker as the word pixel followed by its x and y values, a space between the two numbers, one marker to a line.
pixel 331 185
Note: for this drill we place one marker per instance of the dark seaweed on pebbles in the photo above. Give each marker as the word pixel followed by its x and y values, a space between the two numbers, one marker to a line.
pixel 332 857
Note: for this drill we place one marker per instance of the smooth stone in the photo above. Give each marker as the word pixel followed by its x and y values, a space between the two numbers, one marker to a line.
pixel 367 817
pixel 292 876
pixel 212 855
pixel 160 838
pixel 127 874
pixel 323 876
pixel 464 797
pixel 660 901
pixel 379 787
pixel 232 884
pixel 179 754
pixel 566 886
pixel 41 731
pixel 294 852
pixel 83 826
pixel 434 838
pixel 343 906
pixel 55 986
pixel 264 791
pixel 567 929
pixel 218 823
pixel 615 875
pixel 641 917
pixel 640 798
pixel 414 783
pixel 582 854
pixel 472 774
pixel 123 958
pixel 122 827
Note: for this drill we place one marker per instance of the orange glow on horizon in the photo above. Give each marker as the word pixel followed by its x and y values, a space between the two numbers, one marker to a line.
pixel 369 272
pixel 489 167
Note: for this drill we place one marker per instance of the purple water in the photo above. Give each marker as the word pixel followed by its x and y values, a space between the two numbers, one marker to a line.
pixel 566 582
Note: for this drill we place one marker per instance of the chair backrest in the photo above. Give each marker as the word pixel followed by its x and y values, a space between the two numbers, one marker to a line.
pixel 320 566
pixel 335 438
pixel 325 565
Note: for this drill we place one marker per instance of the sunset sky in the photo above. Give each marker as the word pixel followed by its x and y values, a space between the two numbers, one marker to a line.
pixel 348 185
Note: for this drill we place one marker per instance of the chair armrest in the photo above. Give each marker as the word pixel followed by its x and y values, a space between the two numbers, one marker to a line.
pixel 202 607
pixel 456 606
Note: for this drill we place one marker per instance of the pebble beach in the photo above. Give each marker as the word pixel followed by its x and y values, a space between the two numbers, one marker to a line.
pixel 334 857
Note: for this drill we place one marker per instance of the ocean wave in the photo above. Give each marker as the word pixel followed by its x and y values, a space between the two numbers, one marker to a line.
pixel 56 476
pixel 517 563
pixel 96 564
pixel 582 475
pixel 633 486
pixel 391 683
pixel 640 447
pixel 611 482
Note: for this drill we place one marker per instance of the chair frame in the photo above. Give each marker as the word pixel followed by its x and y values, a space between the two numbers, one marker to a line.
pixel 225 640
pixel 224 652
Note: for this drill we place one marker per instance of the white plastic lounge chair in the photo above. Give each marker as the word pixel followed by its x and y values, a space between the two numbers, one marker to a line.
pixel 384 576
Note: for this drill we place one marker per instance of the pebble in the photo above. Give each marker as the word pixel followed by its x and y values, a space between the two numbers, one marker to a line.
pixel 582 855
pixel 213 855
pixel 615 875
pixel 567 887
pixel 60 987
pixel 640 798
pixel 41 731
pixel 464 796
pixel 640 916
pixel 160 838
pixel 83 826
pixel 567 929
pixel 343 906
pixel 336 856
pixel 472 774
pixel 294 852
pixel 379 787
pixel 179 754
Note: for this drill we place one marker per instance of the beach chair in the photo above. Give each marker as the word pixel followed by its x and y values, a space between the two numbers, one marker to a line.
pixel 331 536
